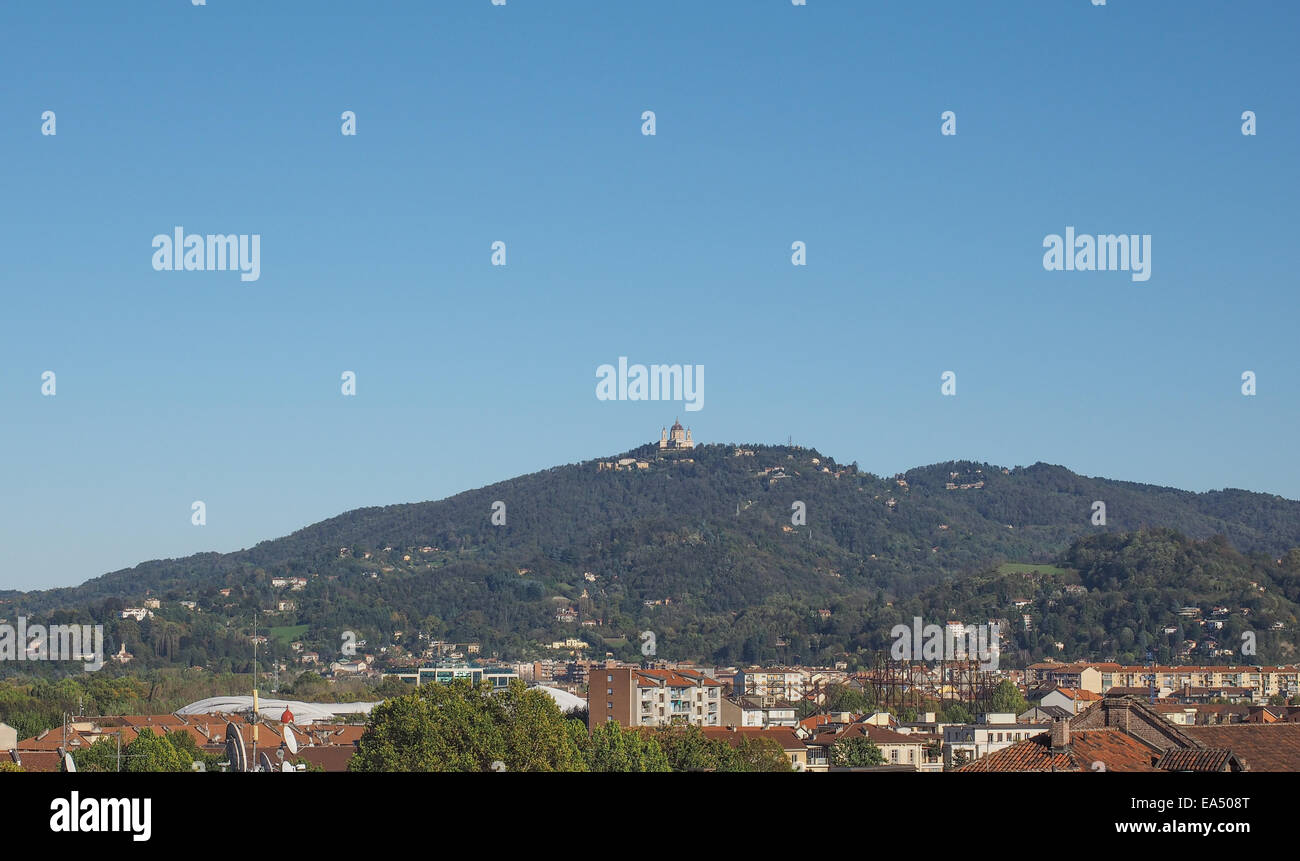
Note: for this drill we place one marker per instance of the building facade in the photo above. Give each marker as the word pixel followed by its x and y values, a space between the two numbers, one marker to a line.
pixel 636 697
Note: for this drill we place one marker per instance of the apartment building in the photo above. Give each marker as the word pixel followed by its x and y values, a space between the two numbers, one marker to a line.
pixel 751 711
pixel 969 742
pixel 637 697
pixel 898 748
pixel 498 677
pixel 1083 677
pixel 781 682
pixel 1263 682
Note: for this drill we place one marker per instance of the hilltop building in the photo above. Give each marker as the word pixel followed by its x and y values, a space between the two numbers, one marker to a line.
pixel 676 438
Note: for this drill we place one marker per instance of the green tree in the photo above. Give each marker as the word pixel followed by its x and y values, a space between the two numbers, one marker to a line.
pixel 1006 697
pixel 759 754
pixel 688 749
pixel 100 756
pixel 150 752
pixel 611 747
pixel 856 752
pixel 390 687
pixel 535 731
pixel 464 727
pixel 188 749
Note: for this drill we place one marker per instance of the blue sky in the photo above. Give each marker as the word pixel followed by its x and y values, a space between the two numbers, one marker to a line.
pixel 522 123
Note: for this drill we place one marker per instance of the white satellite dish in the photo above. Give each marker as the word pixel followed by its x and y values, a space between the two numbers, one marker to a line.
pixel 290 741
pixel 235 749
pixel 287 766
pixel 68 763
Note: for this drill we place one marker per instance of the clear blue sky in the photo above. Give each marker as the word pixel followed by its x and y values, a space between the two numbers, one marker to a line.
pixel 522 123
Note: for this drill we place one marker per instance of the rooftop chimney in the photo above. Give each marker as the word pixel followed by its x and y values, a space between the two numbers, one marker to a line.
pixel 1061 735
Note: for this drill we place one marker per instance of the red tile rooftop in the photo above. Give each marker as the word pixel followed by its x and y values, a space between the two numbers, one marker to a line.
pixel 1115 750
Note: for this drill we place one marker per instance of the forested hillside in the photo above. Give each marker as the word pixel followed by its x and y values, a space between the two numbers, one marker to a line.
pixel 702 550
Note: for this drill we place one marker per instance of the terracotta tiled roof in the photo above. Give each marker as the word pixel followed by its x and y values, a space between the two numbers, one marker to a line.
pixel 141 721
pixel 38 760
pixel 53 740
pixel 783 736
pixel 1262 747
pixel 111 733
pixel 1204 759
pixel 815 721
pixel 1114 750
pixel 347 734
pixel 1079 694
pixel 878 734
pixel 333 758
pixel 675 679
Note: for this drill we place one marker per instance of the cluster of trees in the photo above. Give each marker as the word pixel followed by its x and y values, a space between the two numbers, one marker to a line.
pixel 172 751
pixel 32 706
pixel 464 727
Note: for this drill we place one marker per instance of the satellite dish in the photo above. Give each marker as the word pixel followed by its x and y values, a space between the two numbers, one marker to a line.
pixel 287 766
pixel 68 763
pixel 264 762
pixel 235 749
pixel 290 741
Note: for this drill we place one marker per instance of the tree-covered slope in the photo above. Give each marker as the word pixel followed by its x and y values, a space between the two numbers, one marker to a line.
pixel 700 548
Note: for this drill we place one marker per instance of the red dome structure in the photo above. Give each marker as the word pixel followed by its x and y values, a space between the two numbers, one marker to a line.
pixel 287 717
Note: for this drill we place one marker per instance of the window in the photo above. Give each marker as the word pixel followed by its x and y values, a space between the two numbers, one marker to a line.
pixel 609 677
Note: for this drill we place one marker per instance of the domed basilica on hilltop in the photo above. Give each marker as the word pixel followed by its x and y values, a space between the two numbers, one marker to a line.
pixel 676 438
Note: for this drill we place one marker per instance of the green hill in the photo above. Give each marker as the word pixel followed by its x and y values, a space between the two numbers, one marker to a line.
pixel 701 549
